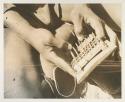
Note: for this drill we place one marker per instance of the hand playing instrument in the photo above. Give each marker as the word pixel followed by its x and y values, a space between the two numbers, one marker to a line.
pixel 86 56
pixel 91 52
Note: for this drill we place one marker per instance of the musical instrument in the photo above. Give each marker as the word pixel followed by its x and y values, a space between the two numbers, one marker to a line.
pixel 91 52
pixel 86 56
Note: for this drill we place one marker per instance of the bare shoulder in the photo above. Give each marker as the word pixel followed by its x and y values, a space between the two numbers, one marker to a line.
pixel 11 17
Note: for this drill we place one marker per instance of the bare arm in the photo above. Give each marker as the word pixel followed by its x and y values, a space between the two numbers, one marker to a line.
pixel 41 39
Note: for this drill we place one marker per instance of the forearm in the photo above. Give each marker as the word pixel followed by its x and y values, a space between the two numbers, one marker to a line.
pixel 67 10
pixel 18 24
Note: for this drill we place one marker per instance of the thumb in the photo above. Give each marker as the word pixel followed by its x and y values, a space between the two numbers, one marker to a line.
pixel 97 24
pixel 77 20
pixel 112 35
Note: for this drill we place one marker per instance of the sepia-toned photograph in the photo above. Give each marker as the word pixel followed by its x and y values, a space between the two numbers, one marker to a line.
pixel 62 51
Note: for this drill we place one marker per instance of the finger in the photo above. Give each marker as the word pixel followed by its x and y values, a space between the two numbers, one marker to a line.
pixel 59 62
pixel 97 25
pixel 64 32
pixel 112 35
pixel 113 38
pixel 77 20
pixel 64 36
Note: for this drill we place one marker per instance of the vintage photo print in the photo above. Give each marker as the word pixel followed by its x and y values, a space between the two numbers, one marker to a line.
pixel 62 51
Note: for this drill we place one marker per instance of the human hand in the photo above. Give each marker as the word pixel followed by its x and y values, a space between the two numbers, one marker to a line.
pixel 53 48
pixel 47 44
pixel 82 15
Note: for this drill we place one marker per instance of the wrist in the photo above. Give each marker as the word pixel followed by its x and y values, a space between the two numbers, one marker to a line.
pixel 39 38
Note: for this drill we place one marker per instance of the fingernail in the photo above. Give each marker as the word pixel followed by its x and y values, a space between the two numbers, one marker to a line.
pixel 80 37
pixel 69 46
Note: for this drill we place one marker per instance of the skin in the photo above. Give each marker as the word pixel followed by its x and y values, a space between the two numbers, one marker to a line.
pixel 44 45
pixel 22 77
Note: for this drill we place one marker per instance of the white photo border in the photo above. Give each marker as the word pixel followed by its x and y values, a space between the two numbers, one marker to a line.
pixel 59 1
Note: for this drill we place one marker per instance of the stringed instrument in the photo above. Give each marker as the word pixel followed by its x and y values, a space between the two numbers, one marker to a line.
pixel 87 55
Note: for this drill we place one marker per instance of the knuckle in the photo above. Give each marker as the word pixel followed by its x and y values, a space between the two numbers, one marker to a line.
pixel 47 36
pixel 78 29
